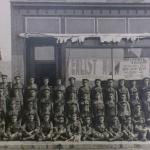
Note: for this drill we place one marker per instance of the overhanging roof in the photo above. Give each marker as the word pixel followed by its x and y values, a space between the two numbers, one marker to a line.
pixel 62 38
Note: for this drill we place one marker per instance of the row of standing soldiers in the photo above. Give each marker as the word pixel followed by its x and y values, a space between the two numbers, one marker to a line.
pixel 71 114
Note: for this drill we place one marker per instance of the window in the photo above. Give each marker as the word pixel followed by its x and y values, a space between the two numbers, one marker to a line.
pixel 44 53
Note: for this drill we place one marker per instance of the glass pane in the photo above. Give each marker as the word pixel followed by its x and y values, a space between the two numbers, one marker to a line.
pixel 89 63
pixel 44 53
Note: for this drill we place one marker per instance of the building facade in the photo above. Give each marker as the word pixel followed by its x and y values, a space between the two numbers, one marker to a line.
pixel 81 39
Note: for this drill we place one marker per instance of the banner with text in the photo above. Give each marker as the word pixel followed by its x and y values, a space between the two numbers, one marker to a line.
pixel 126 68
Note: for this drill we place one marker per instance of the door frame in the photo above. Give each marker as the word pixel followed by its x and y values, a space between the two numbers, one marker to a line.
pixel 31 43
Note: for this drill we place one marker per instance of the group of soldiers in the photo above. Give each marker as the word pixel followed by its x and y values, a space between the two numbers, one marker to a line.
pixel 71 114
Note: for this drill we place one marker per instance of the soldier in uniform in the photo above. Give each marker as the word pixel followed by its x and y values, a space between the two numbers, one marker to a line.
pixel 46 127
pixel 59 103
pixel 114 129
pixel 139 123
pixel 84 95
pixel 145 87
pixel 2 126
pixel 32 85
pixel 133 90
pixel 59 131
pixel 14 130
pixel 30 127
pixel 111 107
pixel 123 90
pixel 110 89
pixel 100 127
pixel 71 89
pixel 45 102
pixel 5 86
pixel 19 86
pixel 127 129
pixel 31 97
pixel 19 101
pixel 59 86
pixel 3 101
pixel 74 129
pixel 124 110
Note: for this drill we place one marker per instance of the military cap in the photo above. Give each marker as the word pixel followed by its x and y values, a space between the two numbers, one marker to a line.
pixel 121 80
pixel 97 80
pixel 72 78
pixel 4 75
pixel 85 80
pixel 16 77
pixel 110 80
pixel 146 78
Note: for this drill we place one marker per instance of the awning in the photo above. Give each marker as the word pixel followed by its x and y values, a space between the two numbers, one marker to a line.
pixel 62 38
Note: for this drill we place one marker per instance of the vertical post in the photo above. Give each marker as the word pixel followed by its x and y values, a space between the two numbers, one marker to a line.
pixel 112 64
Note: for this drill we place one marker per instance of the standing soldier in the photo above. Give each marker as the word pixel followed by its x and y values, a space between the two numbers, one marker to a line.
pixel 145 87
pixel 71 89
pixel 19 86
pixel 14 131
pixel 84 95
pixel 59 104
pixel 59 86
pixel 45 102
pixel 16 97
pixel 124 110
pixel 5 86
pixel 97 103
pixel 110 89
pixel 3 102
pixel 111 107
pixel 122 90
pixel 133 90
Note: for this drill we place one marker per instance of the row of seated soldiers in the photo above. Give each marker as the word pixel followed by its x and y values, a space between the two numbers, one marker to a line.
pixel 71 114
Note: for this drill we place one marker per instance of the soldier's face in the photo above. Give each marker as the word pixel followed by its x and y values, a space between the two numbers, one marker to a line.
pixel 101 119
pixel 110 83
pixel 72 81
pixel 133 83
pixel 58 82
pixel 47 93
pixel 32 93
pixel 59 94
pixel 17 80
pixel 97 83
pixel 123 97
pixel 85 83
pixel 32 80
pixel 111 96
pixel 14 119
pixel 46 81
pixel 31 117
pixel 74 117
pixel 46 118
pixel 87 121
pixel 4 79
pixel 129 121
pixel 115 120
pixel 122 83
pixel 138 109
pixel 146 81
pixel 1 92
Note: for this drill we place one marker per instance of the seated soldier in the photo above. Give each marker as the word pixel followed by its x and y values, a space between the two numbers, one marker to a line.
pixel 46 128
pixel 74 129
pixel 100 127
pixel 127 130
pixel 115 129
pixel 89 133
pixel 14 131
pixel 59 132
pixel 139 123
pixel 30 128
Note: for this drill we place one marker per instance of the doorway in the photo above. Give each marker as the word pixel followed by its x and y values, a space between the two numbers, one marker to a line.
pixel 41 60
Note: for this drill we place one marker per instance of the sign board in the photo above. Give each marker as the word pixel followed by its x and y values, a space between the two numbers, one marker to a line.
pixel 90 68
pixel 132 68
pixel 93 68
